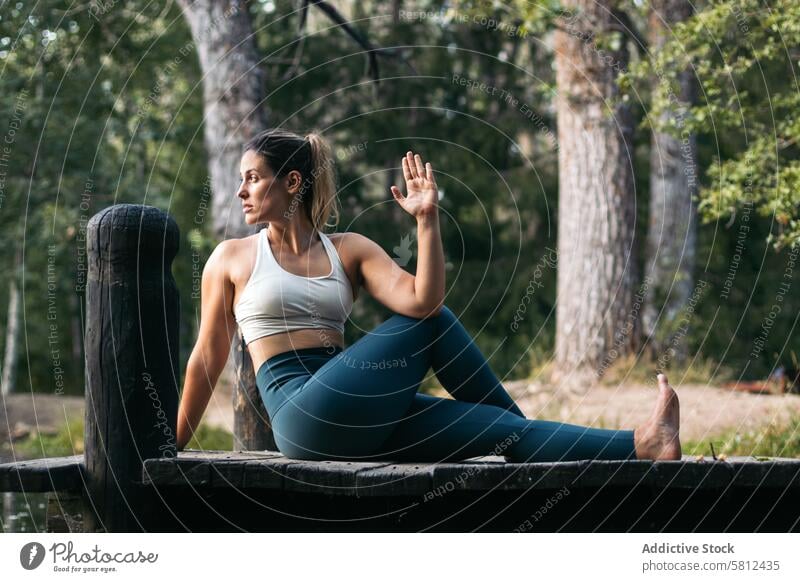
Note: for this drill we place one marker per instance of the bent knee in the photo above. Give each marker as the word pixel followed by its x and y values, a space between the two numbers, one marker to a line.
pixel 443 313
pixel 446 312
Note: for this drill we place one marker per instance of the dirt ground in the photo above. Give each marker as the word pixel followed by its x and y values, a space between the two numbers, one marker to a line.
pixel 705 410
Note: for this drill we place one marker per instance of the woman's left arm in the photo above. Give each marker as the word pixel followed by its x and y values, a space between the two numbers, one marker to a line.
pixel 429 284
pixel 415 296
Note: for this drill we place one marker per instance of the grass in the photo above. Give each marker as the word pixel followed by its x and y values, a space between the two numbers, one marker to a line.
pixel 638 370
pixel 68 440
pixel 208 438
pixel 772 440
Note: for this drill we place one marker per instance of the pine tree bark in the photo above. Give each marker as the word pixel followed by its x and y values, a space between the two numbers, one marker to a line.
pixel 233 100
pixel 596 319
pixel 672 232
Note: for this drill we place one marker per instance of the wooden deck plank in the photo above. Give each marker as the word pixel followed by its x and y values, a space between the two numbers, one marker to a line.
pixel 205 468
pixel 394 479
pixel 478 474
pixel 327 477
pixel 270 470
pixel 39 475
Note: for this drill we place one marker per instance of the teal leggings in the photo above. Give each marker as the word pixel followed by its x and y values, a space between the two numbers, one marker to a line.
pixel 362 404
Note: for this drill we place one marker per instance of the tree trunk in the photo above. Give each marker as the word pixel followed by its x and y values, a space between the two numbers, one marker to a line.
pixel 234 93
pixel 596 319
pixel 671 237
pixel 233 100
pixel 12 329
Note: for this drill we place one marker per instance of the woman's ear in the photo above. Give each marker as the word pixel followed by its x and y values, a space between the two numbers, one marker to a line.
pixel 293 181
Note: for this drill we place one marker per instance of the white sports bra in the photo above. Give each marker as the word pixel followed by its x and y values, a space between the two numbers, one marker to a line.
pixel 276 301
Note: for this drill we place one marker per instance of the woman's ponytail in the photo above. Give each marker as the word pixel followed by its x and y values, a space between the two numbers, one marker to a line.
pixel 324 200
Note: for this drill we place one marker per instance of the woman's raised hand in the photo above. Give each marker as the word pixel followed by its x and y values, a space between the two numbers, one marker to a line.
pixel 423 194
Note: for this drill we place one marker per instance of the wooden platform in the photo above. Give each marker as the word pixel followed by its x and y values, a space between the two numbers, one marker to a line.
pixel 265 491
pixel 268 470
pixel 252 470
pixel 36 476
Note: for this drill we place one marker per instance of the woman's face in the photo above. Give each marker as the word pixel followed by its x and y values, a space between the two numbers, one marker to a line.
pixel 264 197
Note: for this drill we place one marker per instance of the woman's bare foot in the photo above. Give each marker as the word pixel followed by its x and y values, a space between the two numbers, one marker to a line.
pixel 658 438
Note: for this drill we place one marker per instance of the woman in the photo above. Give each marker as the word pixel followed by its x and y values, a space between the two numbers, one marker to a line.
pixel 291 288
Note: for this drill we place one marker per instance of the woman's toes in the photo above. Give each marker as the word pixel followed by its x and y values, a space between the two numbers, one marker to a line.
pixel 667 401
pixel 669 421
pixel 658 438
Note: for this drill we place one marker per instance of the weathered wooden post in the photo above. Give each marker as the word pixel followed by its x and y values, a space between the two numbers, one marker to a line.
pixel 251 428
pixel 132 367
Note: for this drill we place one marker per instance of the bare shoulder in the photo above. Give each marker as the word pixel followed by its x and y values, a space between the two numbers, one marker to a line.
pixel 217 263
pixel 238 255
pixel 355 248
pixel 229 254
pixel 233 246
pixel 353 243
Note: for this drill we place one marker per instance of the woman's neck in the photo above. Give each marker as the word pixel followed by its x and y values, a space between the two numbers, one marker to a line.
pixel 296 238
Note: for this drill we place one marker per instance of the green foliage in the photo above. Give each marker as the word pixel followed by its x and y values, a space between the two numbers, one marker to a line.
pixel 100 113
pixel 111 111
pixel 743 55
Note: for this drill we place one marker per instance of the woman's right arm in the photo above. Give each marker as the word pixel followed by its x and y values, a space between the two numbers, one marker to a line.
pixel 210 353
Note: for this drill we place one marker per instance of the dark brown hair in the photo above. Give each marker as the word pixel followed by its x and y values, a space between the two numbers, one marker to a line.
pixel 311 155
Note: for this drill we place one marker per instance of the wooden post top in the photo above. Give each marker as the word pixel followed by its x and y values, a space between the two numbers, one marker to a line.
pixel 130 231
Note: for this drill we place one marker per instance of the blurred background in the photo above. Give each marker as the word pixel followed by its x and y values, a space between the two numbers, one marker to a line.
pixel 618 187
